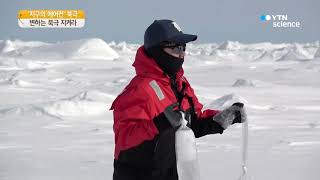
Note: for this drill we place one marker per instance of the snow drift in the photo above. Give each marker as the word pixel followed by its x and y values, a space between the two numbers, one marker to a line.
pixel 244 83
pixel 297 52
pixel 76 49
pixel 98 49
pixel 87 103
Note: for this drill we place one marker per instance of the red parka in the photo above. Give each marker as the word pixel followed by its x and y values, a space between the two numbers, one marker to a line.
pixel 138 108
pixel 141 101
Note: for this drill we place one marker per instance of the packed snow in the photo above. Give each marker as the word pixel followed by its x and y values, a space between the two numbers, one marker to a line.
pixel 55 121
pixel 85 49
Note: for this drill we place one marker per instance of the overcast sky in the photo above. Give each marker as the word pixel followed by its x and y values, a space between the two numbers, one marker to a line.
pixel 211 20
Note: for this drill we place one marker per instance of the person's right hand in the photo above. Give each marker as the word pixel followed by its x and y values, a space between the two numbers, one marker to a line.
pixel 233 114
pixel 175 117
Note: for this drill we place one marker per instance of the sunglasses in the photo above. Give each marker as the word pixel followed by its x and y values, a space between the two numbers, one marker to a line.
pixel 176 48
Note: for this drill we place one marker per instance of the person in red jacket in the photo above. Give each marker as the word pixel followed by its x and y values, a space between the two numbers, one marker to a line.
pixel 147 111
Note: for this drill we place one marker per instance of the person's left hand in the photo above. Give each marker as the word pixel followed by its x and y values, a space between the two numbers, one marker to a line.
pixel 233 114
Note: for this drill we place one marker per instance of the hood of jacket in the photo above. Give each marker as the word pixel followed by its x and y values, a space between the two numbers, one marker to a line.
pixel 146 66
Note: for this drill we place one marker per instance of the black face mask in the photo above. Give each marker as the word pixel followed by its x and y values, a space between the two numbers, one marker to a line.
pixel 169 64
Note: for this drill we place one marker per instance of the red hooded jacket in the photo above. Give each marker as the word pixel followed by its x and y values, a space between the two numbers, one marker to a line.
pixel 143 99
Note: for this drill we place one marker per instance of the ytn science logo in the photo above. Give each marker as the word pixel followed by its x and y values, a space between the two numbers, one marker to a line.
pixel 280 21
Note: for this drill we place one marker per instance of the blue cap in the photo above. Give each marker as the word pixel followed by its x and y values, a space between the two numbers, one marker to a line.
pixel 165 30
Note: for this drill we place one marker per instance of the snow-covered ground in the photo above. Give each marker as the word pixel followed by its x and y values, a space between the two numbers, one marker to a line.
pixel 55 123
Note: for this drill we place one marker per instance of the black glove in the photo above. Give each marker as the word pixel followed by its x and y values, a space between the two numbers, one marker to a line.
pixel 174 116
pixel 240 116
pixel 233 114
